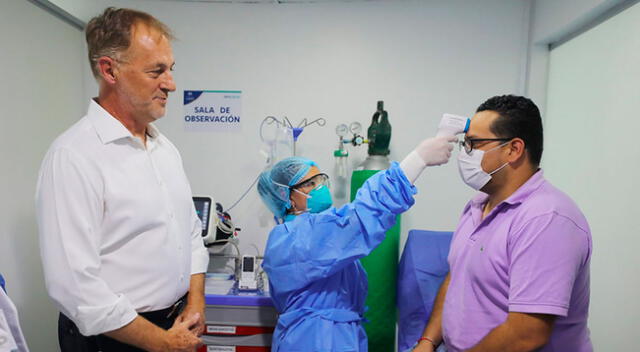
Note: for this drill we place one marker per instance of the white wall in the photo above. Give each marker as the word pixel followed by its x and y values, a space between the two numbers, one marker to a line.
pixel 592 153
pixel 40 96
pixel 552 20
pixel 335 60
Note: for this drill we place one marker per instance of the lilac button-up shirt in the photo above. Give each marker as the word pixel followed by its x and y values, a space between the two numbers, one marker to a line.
pixel 530 254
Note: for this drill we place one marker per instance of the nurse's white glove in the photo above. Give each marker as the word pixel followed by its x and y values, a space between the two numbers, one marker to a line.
pixel 437 150
pixel 430 152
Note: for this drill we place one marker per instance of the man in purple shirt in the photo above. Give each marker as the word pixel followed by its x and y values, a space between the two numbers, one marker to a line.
pixel 519 258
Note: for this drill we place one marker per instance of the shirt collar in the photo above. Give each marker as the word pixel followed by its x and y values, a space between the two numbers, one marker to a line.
pixel 152 131
pixel 109 129
pixel 522 193
pixel 517 197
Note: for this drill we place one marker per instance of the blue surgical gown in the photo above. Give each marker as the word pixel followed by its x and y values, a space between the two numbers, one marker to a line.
pixel 316 280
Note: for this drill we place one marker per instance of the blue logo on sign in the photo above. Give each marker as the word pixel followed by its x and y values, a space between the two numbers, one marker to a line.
pixel 191 95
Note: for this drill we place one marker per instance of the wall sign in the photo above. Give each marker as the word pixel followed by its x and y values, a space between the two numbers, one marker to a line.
pixel 213 110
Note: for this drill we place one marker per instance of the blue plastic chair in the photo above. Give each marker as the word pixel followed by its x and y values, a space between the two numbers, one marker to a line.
pixel 422 269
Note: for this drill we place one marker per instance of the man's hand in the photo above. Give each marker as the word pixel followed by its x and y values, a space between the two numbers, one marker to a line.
pixel 180 338
pixel 191 309
pixel 424 346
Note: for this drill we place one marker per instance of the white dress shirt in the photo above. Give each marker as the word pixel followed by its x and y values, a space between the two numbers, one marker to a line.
pixel 118 229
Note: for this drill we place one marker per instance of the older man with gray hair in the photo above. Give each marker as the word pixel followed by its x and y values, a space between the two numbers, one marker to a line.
pixel 120 240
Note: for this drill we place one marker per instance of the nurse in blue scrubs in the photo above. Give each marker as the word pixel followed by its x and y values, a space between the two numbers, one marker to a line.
pixel 316 280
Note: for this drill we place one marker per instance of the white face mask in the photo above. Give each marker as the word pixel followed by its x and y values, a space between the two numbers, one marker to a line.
pixel 470 167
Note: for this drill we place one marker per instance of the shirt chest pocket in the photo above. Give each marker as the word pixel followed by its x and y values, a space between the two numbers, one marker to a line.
pixel 488 259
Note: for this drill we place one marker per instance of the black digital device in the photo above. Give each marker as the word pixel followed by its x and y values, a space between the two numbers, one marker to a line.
pixel 203 209
pixel 248 263
pixel 248 275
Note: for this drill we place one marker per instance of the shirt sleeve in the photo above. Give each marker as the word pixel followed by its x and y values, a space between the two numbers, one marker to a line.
pixel 69 210
pixel 199 253
pixel 315 246
pixel 546 256
pixel 11 337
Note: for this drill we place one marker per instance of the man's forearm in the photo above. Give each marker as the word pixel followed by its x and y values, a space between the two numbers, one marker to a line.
pixel 196 290
pixel 195 304
pixel 502 339
pixel 433 330
pixel 141 333
pixel 521 332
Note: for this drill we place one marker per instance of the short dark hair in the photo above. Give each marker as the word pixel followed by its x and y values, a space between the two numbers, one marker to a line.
pixel 519 117
pixel 109 34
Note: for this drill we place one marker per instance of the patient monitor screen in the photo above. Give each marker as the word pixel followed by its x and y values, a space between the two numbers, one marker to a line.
pixel 203 209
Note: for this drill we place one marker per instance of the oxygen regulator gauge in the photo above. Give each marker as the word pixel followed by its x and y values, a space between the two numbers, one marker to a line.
pixel 355 128
pixel 342 130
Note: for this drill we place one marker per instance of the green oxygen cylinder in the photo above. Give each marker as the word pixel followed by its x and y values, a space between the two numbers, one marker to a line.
pixel 381 265
pixel 379 133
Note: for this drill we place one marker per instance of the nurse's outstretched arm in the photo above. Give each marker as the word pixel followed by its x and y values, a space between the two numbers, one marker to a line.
pixel 315 246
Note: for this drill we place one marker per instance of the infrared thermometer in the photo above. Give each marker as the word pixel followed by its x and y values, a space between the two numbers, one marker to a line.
pixel 451 125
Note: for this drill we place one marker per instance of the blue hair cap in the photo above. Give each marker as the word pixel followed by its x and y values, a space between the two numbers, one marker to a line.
pixel 273 184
